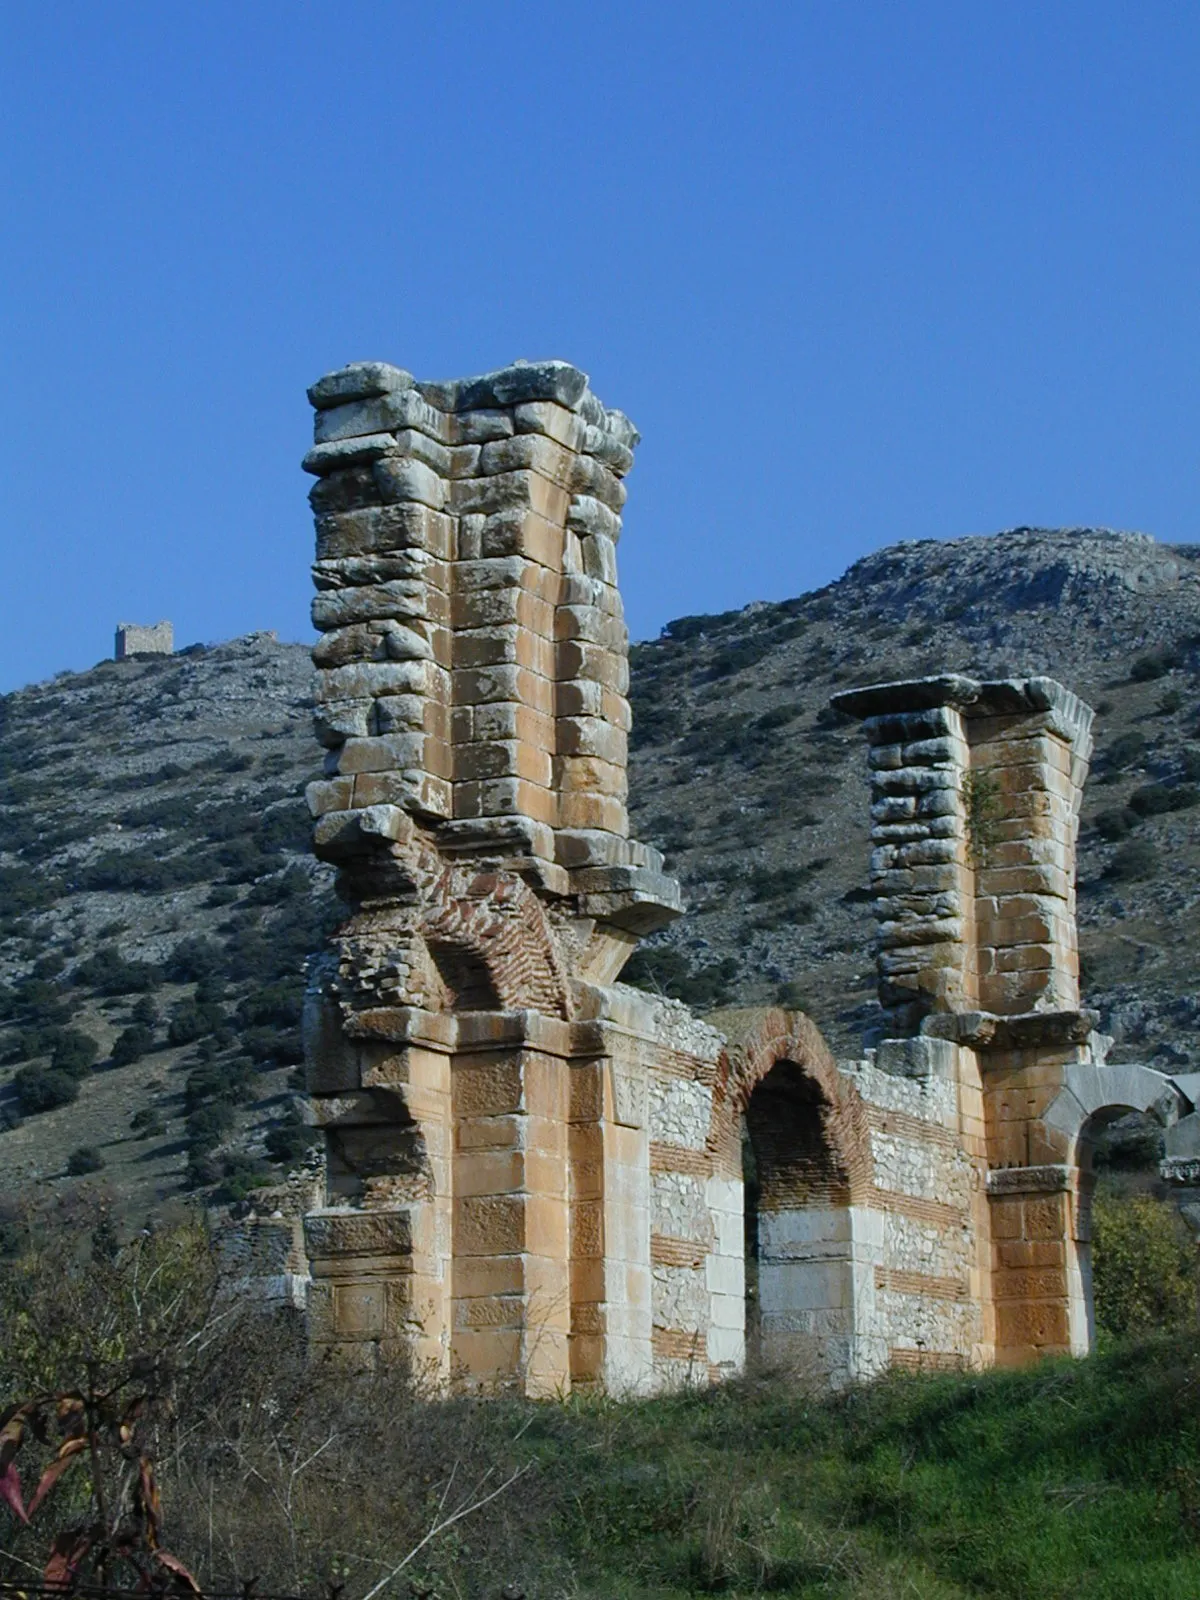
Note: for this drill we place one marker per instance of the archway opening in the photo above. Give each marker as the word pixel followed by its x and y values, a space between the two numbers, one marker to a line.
pixel 799 1248
pixel 466 982
pixel 1138 1259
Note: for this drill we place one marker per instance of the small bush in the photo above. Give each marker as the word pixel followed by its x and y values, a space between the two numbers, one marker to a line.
pixel 279 887
pixel 1115 822
pixel 84 1158
pixel 1144 1264
pixel 280 1046
pixel 1125 752
pixel 1148 667
pixel 147 1123
pixel 131 1044
pixel 108 972
pixel 145 1013
pixel 195 959
pixel 40 1090
pixel 1169 702
pixel 291 1141
pixel 191 1021
pixel 1154 799
pixel 1137 859
pixel 207 1126
pixel 241 1175
pixel 74 1053
pixel 665 971
pixel 274 1002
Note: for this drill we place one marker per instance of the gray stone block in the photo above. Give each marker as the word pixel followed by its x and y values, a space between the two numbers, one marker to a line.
pixel 323 459
pixel 525 380
pixel 360 380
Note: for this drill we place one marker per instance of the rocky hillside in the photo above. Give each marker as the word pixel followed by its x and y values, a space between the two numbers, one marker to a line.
pixel 157 899
pixel 758 791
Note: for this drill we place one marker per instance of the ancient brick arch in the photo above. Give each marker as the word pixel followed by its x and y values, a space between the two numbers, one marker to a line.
pixel 809 1147
pixel 1091 1092
pixel 492 944
pixel 760 1042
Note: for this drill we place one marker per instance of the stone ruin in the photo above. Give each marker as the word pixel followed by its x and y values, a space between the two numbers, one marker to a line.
pixel 534 1173
pixel 135 639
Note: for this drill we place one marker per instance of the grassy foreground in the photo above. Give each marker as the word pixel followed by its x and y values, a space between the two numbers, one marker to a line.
pixel 1074 1479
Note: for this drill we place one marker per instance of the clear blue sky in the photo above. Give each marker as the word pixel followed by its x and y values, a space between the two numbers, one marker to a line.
pixel 859 272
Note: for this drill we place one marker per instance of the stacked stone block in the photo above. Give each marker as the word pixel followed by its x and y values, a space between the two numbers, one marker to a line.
pixel 974 811
pixel 473 665
pixel 466 1060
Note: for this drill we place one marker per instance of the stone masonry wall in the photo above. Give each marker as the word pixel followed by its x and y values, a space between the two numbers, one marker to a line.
pixel 134 639
pixel 534 1174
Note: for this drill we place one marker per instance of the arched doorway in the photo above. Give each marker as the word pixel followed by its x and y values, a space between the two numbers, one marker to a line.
pixel 799 1251
pixel 1136 1253
pixel 1095 1100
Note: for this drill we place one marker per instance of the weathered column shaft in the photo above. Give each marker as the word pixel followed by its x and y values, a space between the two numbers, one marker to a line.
pixel 920 868
pixel 471 697
pixel 975 791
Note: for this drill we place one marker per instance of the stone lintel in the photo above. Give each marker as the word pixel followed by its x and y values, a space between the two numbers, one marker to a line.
pixel 337 1232
pixel 451 1032
pixel 1029 1180
pixel 1023 1031
pixel 359 380
pixel 975 698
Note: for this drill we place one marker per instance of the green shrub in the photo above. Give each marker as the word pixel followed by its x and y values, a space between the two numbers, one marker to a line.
pixel 1125 751
pixel 227 1081
pixel 196 1019
pixel 42 1090
pixel 278 1003
pixel 240 1175
pixel 290 1142
pixel 666 971
pixel 39 1003
pixel 774 883
pixel 1115 822
pixel 84 1158
pixel 1137 859
pixel 195 959
pixel 1148 667
pixel 74 1052
pixel 172 811
pixel 24 889
pixel 1144 1264
pixel 208 1125
pixel 1169 702
pixel 279 1046
pixel 1155 799
pixel 277 888
pixel 145 1012
pixel 147 1123
pixel 131 1044
pixel 108 972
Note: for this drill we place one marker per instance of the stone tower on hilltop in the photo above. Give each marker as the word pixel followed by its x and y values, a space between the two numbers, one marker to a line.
pixel 534 1172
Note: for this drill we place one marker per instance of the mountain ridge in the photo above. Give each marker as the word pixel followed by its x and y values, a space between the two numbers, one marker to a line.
pixel 154 843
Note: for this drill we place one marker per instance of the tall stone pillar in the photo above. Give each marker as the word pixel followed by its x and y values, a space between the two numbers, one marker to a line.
pixel 975 792
pixel 472 674
pixel 976 789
